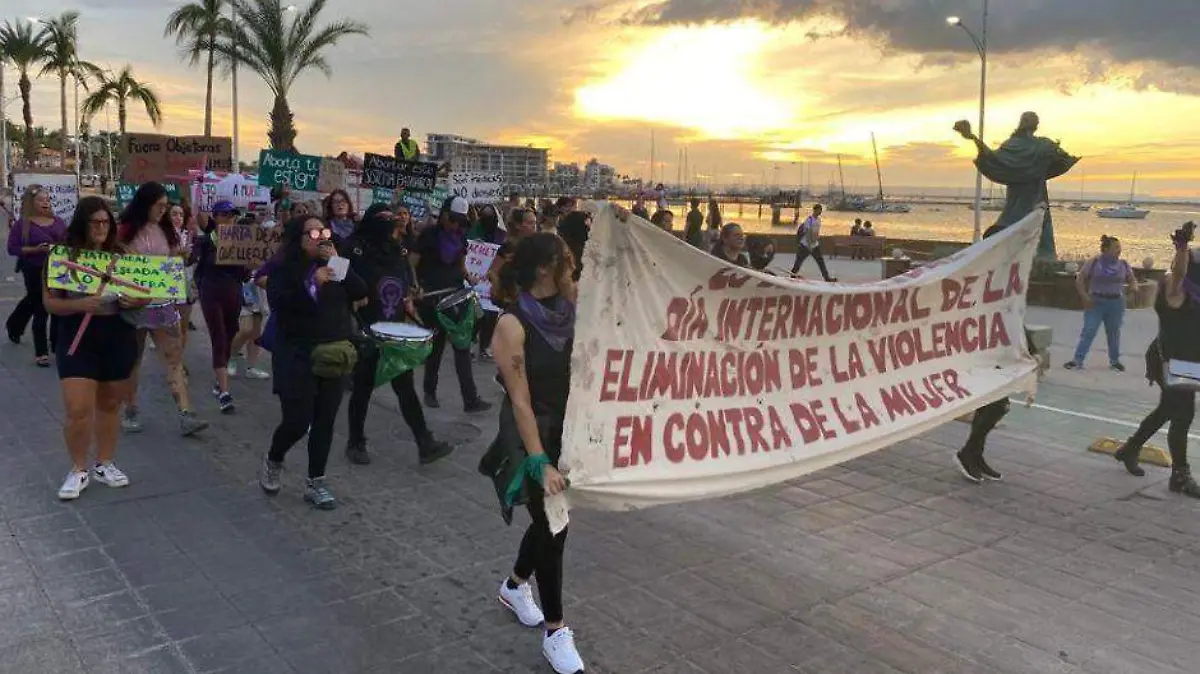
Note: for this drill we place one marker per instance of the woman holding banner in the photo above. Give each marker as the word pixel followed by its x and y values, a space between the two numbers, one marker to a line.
pixel 30 239
pixel 378 253
pixel 533 352
pixel 95 376
pixel 145 229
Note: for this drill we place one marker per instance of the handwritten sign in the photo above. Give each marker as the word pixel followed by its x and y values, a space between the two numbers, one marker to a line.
pixel 382 195
pixel 287 169
pixel 384 171
pixel 480 256
pixel 125 192
pixel 152 156
pixel 478 188
pixel 246 245
pixel 62 188
pixel 333 176
pixel 139 276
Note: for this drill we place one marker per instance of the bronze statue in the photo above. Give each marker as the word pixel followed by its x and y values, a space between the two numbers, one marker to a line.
pixel 1024 164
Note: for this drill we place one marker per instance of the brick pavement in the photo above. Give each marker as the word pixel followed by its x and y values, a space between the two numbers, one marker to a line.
pixel 887 564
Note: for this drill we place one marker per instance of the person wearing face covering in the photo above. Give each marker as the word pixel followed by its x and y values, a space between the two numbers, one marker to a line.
pixel 762 253
pixel 1178 309
pixel 378 253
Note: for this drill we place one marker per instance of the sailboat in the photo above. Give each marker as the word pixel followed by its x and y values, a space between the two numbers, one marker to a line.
pixel 1125 211
pixel 845 204
pixel 882 206
pixel 1079 205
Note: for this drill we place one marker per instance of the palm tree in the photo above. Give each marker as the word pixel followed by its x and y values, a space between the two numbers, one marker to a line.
pixel 280 52
pixel 120 89
pixel 197 27
pixel 24 49
pixel 62 39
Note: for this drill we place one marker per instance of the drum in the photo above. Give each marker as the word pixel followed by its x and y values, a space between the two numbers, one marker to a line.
pixel 402 347
pixel 457 315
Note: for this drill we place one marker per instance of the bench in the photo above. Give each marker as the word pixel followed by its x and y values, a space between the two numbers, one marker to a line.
pixel 855 247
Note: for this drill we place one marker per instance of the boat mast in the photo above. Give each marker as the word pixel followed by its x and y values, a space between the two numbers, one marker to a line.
pixel 878 173
pixel 841 177
pixel 1133 188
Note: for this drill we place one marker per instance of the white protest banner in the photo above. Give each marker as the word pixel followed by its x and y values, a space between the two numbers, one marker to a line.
pixel 692 379
pixel 62 187
pixel 480 256
pixel 477 188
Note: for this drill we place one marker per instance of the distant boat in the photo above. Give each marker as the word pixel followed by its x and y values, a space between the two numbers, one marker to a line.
pixel 1077 206
pixel 1127 211
pixel 882 206
pixel 1123 212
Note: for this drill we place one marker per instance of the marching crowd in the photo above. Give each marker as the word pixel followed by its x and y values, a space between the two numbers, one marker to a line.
pixel 352 303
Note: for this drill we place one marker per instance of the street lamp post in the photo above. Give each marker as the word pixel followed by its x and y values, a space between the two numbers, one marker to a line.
pixel 981 46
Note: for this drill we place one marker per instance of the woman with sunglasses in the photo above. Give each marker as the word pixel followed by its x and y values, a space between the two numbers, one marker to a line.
pixel 378 253
pixel 30 239
pixel 312 356
pixel 95 376
pixel 145 229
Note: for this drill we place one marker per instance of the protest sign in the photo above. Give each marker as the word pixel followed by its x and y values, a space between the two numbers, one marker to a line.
pixel 140 276
pixel 477 188
pixel 480 256
pixel 125 192
pixel 288 169
pixel 63 189
pixel 384 171
pixel 333 176
pixel 242 191
pixel 693 379
pixel 247 245
pixel 382 195
pixel 152 156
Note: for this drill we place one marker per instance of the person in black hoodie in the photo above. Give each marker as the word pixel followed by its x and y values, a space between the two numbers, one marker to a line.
pixel 313 355
pixel 575 228
pixel 378 254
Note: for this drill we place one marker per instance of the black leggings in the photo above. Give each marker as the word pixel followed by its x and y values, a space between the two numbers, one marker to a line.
pixel 31 307
pixel 1177 408
pixel 986 418
pixel 364 387
pixel 313 411
pixel 462 358
pixel 803 253
pixel 541 555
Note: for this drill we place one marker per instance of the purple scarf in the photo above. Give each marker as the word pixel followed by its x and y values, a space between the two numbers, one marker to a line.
pixel 342 229
pixel 450 245
pixel 1109 266
pixel 555 324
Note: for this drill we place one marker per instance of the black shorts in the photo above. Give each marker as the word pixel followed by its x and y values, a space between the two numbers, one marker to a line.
pixel 107 352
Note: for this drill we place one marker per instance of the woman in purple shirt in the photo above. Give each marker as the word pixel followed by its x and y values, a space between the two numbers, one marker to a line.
pixel 29 240
pixel 1101 284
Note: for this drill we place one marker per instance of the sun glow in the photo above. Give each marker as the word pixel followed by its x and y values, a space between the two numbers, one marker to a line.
pixel 708 79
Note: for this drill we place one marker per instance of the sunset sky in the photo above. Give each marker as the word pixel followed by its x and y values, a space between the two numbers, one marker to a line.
pixel 745 85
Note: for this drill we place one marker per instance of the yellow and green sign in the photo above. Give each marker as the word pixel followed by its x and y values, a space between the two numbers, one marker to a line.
pixel 93 272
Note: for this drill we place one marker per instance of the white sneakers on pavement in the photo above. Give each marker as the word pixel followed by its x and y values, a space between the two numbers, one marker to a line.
pixel 73 486
pixel 520 602
pixel 78 480
pixel 109 474
pixel 560 652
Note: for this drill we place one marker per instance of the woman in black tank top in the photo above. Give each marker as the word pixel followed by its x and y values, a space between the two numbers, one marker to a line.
pixel 1178 308
pixel 532 347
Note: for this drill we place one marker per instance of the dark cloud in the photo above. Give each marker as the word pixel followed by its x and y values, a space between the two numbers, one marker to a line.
pixel 1125 31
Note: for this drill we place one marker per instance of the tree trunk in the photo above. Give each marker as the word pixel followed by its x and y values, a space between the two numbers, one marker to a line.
pixel 121 125
pixel 283 129
pixel 27 112
pixel 62 96
pixel 208 93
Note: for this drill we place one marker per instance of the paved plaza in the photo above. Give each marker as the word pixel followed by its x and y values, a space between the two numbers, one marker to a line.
pixel 888 564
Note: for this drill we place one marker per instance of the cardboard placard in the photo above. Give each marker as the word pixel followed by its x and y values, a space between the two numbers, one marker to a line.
pixel 478 187
pixel 125 192
pixel 62 187
pixel 133 275
pixel 384 171
pixel 152 156
pixel 333 176
pixel 288 169
pixel 246 245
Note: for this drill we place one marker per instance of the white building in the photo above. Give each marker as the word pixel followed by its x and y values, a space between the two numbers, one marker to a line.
pixel 598 177
pixel 524 167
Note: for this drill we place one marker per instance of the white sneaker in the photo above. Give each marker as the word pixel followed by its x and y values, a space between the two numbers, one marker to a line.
pixel 255 373
pixel 109 474
pixel 73 486
pixel 232 368
pixel 559 649
pixel 520 601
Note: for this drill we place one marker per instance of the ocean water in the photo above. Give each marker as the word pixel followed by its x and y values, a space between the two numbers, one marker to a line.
pixel 1077 234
